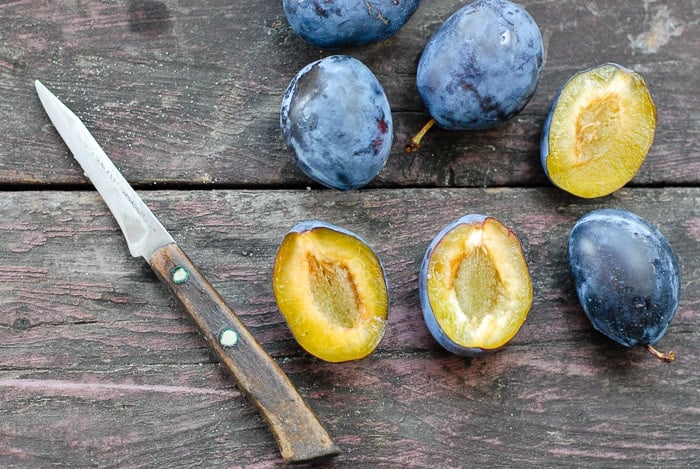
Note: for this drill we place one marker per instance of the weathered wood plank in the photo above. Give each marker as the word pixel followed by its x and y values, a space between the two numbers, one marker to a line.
pixel 100 367
pixel 182 92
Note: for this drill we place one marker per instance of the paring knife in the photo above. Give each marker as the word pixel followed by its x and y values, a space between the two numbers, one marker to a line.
pixel 299 434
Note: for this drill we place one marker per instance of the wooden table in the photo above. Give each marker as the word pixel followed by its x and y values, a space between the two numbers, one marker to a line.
pixel 100 367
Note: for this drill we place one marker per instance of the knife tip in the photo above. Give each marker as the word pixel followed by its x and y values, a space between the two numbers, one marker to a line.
pixel 39 85
pixel 43 92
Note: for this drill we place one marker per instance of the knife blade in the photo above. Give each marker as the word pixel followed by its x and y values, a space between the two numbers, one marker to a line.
pixel 299 434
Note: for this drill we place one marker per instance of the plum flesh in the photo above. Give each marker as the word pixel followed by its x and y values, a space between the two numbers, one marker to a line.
pixel 336 120
pixel 337 24
pixel 598 131
pixel 482 65
pixel 474 285
pixel 627 276
pixel 332 290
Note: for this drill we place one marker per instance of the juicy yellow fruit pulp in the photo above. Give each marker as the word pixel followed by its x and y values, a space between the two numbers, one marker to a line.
pixel 601 130
pixel 330 288
pixel 479 285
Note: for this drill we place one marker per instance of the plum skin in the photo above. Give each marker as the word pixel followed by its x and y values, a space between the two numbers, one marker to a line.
pixel 482 66
pixel 310 225
pixel 336 120
pixel 626 274
pixel 337 24
pixel 429 317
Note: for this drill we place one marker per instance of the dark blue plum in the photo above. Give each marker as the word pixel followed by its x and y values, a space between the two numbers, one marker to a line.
pixel 347 23
pixel 482 65
pixel 626 274
pixel 337 122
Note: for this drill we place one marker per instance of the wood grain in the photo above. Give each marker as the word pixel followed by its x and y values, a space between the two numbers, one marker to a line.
pixel 100 366
pixel 191 93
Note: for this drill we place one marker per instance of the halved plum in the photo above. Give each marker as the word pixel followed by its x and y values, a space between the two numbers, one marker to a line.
pixel 598 131
pixel 332 290
pixel 474 285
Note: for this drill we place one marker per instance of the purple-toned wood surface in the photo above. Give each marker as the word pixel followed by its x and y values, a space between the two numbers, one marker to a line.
pixel 99 365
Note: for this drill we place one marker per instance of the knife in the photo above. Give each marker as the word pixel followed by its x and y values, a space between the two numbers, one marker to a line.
pixel 299 434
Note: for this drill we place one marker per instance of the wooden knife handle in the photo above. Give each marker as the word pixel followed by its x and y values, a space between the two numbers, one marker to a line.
pixel 299 434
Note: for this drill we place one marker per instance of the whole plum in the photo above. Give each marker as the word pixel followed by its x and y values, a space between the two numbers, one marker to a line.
pixel 337 121
pixel 347 23
pixel 482 65
pixel 627 277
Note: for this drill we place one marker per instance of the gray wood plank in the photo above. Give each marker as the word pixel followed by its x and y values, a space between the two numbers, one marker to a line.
pixel 189 92
pixel 100 367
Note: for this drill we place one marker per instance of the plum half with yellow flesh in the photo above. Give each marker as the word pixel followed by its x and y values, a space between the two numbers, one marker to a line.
pixel 474 285
pixel 598 131
pixel 332 290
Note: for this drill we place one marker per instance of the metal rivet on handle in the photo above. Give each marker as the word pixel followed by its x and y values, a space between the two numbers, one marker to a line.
pixel 179 275
pixel 228 338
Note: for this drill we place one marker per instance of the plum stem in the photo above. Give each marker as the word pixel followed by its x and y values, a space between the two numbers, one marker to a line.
pixel 414 143
pixel 666 357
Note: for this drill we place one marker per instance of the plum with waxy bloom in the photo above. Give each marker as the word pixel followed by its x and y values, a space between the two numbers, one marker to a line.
pixel 336 120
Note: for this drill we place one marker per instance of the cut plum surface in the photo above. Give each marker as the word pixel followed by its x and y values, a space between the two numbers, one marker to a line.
pixel 475 285
pixel 332 290
pixel 599 131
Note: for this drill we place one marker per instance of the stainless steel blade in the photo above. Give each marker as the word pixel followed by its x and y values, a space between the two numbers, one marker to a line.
pixel 144 233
